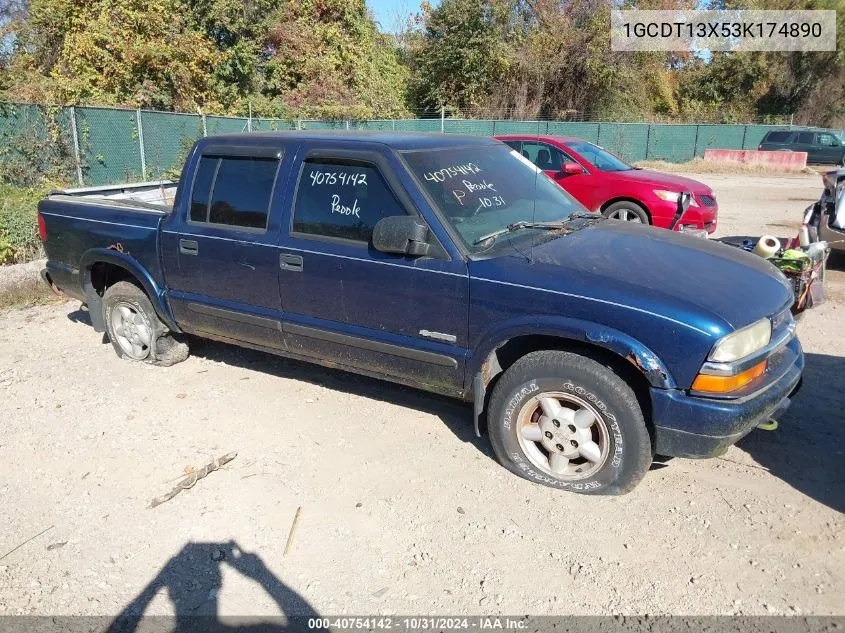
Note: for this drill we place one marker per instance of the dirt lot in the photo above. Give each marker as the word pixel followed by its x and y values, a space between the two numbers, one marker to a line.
pixel 403 510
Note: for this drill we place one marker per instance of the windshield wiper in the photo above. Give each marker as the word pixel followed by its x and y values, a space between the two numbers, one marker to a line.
pixel 515 226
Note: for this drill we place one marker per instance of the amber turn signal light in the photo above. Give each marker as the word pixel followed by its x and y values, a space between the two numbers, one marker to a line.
pixel 726 384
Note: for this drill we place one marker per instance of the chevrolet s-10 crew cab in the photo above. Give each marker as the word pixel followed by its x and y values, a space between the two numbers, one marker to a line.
pixel 454 265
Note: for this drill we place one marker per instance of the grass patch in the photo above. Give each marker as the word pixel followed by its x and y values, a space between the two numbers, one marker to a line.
pixel 27 294
pixel 18 223
pixel 701 166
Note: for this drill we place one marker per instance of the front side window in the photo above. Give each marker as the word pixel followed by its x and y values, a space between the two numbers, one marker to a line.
pixel 342 198
pixel 233 191
pixel 485 188
pixel 599 157
pixel 828 140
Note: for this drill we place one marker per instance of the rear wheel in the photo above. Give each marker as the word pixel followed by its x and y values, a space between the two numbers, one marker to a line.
pixel 134 329
pixel 568 422
pixel 627 212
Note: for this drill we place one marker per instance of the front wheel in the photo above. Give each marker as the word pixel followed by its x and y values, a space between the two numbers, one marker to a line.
pixel 627 212
pixel 566 421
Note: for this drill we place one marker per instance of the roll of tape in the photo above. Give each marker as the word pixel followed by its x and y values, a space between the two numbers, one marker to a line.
pixel 767 246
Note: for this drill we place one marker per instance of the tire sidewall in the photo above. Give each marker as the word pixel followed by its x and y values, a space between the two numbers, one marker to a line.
pixel 625 432
pixel 115 295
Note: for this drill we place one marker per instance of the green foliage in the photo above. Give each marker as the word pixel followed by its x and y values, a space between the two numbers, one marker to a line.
pixel 465 49
pixel 18 223
pixel 287 58
pixel 35 145
pixel 115 52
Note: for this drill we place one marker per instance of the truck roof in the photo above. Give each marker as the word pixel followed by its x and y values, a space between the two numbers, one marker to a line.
pixel 394 140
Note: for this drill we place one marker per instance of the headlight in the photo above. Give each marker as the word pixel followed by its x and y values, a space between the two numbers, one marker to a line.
pixel 672 196
pixel 742 343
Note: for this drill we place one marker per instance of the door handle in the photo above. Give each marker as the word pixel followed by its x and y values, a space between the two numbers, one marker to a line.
pixel 292 263
pixel 189 247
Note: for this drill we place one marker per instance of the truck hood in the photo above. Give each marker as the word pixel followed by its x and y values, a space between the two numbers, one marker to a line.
pixel 707 285
pixel 671 182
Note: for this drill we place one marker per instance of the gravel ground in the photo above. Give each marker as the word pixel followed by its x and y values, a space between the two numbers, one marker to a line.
pixel 403 510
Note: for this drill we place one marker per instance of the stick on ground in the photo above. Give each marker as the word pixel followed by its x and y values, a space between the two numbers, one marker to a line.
pixel 292 530
pixel 191 480
pixel 31 538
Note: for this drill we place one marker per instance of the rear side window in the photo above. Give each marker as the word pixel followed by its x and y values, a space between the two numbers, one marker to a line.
pixel 806 137
pixel 777 137
pixel 342 198
pixel 233 191
pixel 545 156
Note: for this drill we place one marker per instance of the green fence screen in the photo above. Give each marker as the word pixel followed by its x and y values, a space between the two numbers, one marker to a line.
pixel 117 145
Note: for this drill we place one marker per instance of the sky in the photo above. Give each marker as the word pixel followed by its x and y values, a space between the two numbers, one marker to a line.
pixel 389 13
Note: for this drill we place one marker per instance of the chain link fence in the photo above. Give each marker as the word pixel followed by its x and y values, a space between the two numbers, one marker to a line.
pixel 89 146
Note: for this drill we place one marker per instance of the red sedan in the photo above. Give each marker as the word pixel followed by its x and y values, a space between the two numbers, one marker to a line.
pixel 603 182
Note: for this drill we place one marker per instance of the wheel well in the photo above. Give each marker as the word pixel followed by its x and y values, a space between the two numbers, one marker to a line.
pixel 507 354
pixel 626 199
pixel 105 274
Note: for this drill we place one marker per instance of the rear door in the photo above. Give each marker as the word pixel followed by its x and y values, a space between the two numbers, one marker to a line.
pixel 346 303
pixel 776 140
pixel 804 142
pixel 226 282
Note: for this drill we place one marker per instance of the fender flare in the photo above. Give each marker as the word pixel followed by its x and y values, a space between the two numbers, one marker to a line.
pixel 621 344
pixel 155 293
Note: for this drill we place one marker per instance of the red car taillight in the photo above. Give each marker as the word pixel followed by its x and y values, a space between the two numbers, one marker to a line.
pixel 42 228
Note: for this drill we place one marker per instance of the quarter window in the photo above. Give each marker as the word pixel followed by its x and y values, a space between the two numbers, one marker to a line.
pixel 342 198
pixel 233 191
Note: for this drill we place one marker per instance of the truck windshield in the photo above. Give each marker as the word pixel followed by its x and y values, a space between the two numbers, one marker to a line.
pixel 484 189
pixel 599 157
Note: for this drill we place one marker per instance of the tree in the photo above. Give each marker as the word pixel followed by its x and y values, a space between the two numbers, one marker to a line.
pixel 464 50
pixel 113 52
pixel 326 58
pixel 287 58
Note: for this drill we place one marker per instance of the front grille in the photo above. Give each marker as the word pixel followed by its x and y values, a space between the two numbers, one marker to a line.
pixel 707 201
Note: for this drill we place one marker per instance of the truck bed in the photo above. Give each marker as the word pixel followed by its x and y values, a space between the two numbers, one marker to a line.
pixel 76 222
pixel 158 193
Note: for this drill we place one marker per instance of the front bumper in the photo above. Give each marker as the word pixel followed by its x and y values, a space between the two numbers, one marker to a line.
pixel 692 426
pixel 700 217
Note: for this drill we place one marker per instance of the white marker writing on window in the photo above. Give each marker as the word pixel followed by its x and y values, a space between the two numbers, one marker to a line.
pixel 343 210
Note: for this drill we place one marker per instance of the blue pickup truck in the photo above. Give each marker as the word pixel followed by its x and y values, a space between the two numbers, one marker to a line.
pixel 450 264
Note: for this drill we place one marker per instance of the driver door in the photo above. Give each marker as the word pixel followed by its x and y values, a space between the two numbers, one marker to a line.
pixel 550 158
pixel 828 150
pixel 346 303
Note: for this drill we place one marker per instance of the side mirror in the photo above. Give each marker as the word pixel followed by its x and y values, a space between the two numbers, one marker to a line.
pixel 571 168
pixel 401 234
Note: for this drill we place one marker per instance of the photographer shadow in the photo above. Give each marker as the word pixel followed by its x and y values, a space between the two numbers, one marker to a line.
pixel 807 450
pixel 193 580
